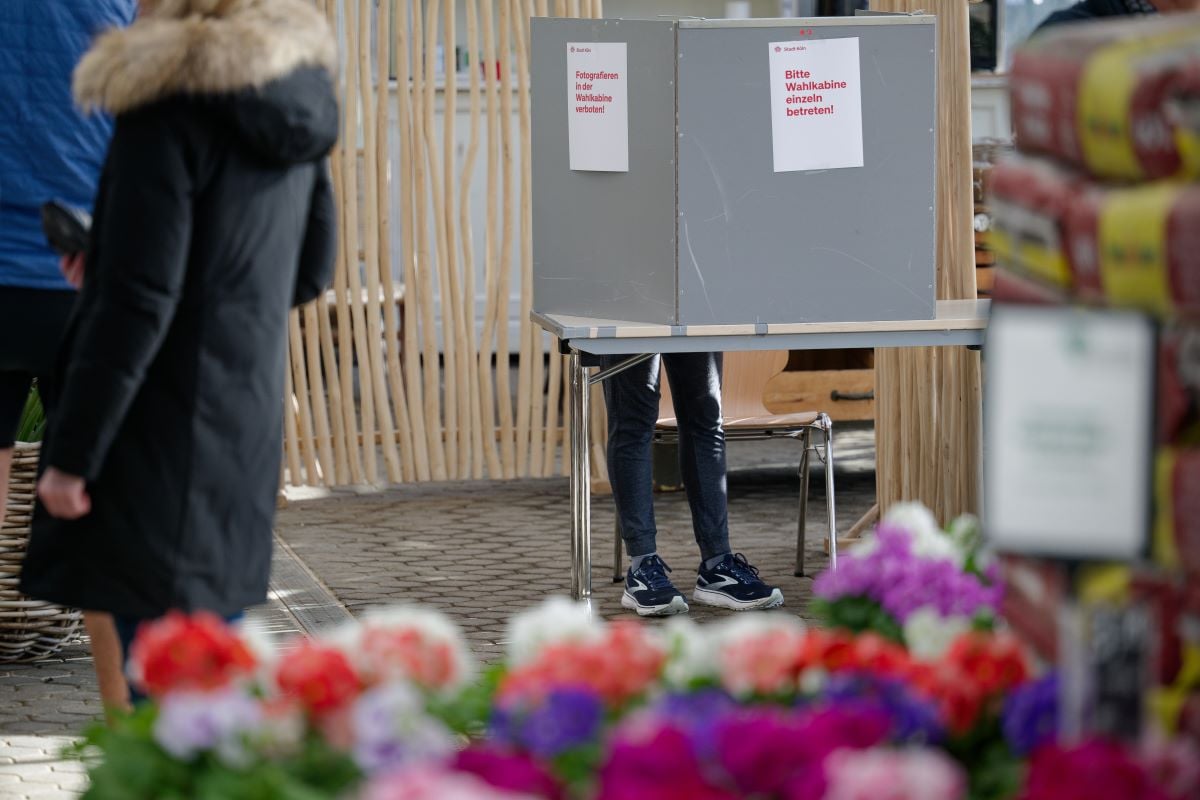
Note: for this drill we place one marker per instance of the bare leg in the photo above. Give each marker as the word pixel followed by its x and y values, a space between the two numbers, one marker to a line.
pixel 106 655
pixel 6 455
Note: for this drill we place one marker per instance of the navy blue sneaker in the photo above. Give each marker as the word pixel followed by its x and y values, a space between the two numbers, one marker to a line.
pixel 649 591
pixel 734 584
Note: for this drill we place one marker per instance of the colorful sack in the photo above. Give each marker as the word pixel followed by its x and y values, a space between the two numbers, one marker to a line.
pixel 1118 98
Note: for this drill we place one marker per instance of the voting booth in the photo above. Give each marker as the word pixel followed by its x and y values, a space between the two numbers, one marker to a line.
pixel 702 172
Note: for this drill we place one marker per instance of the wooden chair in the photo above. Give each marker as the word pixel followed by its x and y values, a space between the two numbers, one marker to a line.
pixel 744 380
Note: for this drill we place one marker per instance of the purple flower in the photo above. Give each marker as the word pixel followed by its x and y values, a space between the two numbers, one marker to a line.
pixel 901 582
pixel 566 718
pixel 1030 715
pixel 914 720
pixel 698 714
pixel 391 730
pixel 190 722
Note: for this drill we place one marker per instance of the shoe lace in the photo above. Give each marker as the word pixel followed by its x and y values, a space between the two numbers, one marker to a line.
pixel 654 574
pixel 742 569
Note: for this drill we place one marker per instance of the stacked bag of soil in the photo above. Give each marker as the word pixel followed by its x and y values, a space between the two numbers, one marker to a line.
pixel 1100 206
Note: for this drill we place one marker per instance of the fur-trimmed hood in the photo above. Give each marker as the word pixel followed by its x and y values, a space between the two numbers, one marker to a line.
pixel 202 47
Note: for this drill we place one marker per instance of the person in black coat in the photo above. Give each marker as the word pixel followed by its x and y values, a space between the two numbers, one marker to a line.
pixel 214 217
pixel 1101 9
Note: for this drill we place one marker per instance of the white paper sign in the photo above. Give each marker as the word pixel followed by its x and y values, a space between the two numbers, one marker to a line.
pixel 598 89
pixel 1069 426
pixel 816 105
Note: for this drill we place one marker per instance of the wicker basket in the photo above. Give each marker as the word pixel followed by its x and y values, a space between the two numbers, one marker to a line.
pixel 29 629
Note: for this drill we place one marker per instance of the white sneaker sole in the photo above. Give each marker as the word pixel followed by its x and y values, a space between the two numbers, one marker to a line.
pixel 709 597
pixel 677 606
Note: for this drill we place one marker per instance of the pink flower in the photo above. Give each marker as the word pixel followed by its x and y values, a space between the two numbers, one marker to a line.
pixel 648 760
pixel 514 772
pixel 882 774
pixel 1095 770
pixel 432 783
pixel 760 655
pixel 1175 765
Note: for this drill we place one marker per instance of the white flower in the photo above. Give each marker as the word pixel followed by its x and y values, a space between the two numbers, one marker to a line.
pixel 929 635
pixel 928 540
pixel 865 546
pixel 689 653
pixel 813 680
pixel 191 722
pixel 555 619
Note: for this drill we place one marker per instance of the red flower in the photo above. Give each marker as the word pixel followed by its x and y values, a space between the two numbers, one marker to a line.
pixel 618 667
pixel 873 653
pixel 181 651
pixel 832 651
pixel 957 697
pixel 995 662
pixel 319 677
pixel 838 651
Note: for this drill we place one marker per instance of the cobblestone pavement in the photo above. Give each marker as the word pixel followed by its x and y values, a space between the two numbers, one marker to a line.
pixel 479 551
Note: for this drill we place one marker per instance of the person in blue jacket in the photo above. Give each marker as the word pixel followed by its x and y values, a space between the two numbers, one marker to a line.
pixel 49 150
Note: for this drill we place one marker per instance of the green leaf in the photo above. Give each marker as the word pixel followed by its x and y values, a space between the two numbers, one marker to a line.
pixel 577 767
pixel 468 712
pixel 858 615
pixel 32 423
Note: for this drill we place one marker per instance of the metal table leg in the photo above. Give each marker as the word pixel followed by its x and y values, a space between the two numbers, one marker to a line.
pixel 827 424
pixel 581 483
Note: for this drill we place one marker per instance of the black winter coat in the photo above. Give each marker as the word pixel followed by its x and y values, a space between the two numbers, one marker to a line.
pixel 214 217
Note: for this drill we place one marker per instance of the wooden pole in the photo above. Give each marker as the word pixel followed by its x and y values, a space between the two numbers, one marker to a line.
pixel 405 92
pixel 487 393
pixel 503 381
pixel 316 385
pixel 350 241
pixel 336 410
pixel 384 177
pixel 471 361
pixel 423 123
pixel 341 361
pixel 290 434
pixel 525 389
pixel 453 331
pixel 436 177
pixel 375 230
pixel 300 392
pixel 935 435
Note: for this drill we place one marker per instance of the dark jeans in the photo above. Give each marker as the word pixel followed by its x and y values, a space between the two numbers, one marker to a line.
pixel 632 399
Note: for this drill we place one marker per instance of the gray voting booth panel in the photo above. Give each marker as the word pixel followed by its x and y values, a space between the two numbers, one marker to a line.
pixel 823 246
pixel 702 230
pixel 604 242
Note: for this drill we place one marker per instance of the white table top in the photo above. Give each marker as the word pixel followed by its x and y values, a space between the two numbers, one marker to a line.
pixel 962 321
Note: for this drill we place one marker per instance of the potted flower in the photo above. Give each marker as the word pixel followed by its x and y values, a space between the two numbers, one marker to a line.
pixel 29 629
